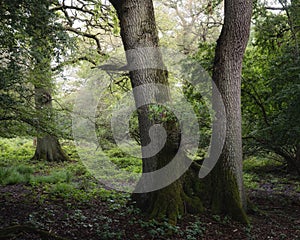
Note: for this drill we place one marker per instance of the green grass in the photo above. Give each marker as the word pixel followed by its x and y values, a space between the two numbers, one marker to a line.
pixel 16 150
pixel 71 179
pixel 63 189
pixel 124 161
pixel 54 177
pixel 259 164
pixel 260 171
pixel 251 181
pixel 15 175
pixel 59 180
pixel 24 174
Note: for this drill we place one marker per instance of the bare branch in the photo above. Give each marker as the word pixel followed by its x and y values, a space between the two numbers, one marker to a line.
pixel 87 35
pixel 64 7
pixel 275 8
pixel 72 61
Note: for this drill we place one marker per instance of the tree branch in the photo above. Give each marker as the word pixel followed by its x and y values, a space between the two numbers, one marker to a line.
pixel 87 35
pixel 261 106
pixel 72 61
pixel 275 8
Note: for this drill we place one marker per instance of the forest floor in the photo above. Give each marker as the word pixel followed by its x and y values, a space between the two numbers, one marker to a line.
pixel 50 207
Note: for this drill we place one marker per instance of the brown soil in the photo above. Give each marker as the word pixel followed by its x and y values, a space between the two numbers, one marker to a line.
pixel 274 215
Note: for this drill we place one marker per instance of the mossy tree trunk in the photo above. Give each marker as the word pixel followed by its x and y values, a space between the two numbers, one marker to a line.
pixel 42 50
pixel 225 188
pixel 138 32
pixel 227 181
pixel 47 145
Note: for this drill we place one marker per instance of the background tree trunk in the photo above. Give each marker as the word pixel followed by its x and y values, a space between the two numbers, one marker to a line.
pixel 297 159
pixel 228 192
pixel 47 146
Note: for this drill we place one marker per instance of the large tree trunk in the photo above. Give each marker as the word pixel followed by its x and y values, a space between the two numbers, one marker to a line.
pixel 47 145
pixel 228 191
pixel 138 30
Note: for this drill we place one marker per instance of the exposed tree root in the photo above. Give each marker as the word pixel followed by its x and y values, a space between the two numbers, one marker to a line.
pixel 190 194
pixel 172 201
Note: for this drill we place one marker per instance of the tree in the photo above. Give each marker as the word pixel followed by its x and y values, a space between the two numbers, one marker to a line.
pixel 138 30
pixel 31 41
pixel 189 22
pixel 15 93
pixel 93 25
pixel 271 86
pixel 228 190
pixel 43 32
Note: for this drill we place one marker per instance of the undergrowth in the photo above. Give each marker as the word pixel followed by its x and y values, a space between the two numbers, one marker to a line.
pixel 71 181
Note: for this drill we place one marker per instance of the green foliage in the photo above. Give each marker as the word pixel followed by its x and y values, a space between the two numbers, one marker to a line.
pixel 205 55
pixel 54 177
pixel 266 173
pixel 15 174
pixel 63 189
pixel 124 160
pixel 200 66
pixel 195 230
pixel 31 40
pixel 270 87
pixel 254 163
pixel 251 181
pixel 16 149
pixel 157 229
pixel 270 32
pixel 68 180
pixel 24 174
pixel 160 113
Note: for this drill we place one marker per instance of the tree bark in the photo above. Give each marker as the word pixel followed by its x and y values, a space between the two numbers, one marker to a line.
pixel 47 147
pixel 138 30
pixel 228 191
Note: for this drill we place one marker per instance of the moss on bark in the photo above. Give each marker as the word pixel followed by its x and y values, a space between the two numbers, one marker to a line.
pixel 225 195
pixel 173 201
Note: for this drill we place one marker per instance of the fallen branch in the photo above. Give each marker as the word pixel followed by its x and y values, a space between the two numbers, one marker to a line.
pixel 5 233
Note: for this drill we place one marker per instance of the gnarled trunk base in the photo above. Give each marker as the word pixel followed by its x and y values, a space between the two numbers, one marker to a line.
pixel 225 194
pixel 169 203
pixel 218 192
pixel 49 149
